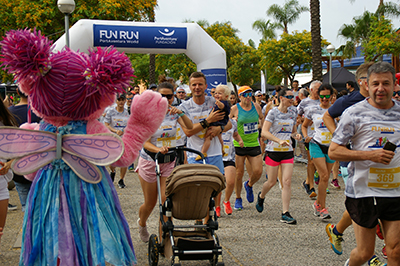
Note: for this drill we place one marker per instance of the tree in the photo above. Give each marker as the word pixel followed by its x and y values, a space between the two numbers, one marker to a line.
pixel 288 14
pixel 45 16
pixel 382 39
pixel 316 40
pixel 287 55
pixel 265 28
pixel 179 66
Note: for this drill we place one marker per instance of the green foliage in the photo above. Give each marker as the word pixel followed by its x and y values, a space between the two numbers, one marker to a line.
pixel 245 69
pixel 45 16
pixel 178 66
pixel 287 14
pixel 382 39
pixel 282 57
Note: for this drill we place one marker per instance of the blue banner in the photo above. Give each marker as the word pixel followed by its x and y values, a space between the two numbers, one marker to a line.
pixel 140 37
pixel 215 77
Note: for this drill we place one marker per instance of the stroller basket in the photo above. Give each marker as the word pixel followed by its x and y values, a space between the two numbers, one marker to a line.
pixel 191 186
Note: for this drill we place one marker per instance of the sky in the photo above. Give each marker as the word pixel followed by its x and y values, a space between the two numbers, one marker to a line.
pixel 242 14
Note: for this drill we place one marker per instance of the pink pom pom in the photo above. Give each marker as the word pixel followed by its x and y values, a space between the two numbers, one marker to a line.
pixel 25 53
pixel 109 71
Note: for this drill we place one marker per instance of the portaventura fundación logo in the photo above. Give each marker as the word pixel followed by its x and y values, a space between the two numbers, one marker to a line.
pixel 166 37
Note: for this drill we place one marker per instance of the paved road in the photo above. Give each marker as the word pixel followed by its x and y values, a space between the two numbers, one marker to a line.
pixel 247 237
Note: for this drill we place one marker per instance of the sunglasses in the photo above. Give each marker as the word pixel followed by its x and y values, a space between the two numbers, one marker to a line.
pixel 325 96
pixel 289 97
pixel 180 92
pixel 168 96
pixel 247 94
pixel 259 95
pixel 129 99
pixel 396 92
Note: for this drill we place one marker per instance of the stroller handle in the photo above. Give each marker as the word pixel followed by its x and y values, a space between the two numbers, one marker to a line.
pixel 180 149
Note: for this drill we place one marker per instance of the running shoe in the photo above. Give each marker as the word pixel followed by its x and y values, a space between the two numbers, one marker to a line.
pixel 317 209
pixel 112 175
pixel 249 192
pixel 121 183
pixel 335 183
pixel 306 187
pixel 336 240
pixel 327 191
pixel 260 203
pixel 238 204
pixel 312 193
pixel 347 262
pixel 374 261
pixel 287 218
pixel 12 207
pixel 131 167
pixel 143 233
pixel 218 211
pixel 316 178
pixel 384 252
pixel 324 214
pixel 227 208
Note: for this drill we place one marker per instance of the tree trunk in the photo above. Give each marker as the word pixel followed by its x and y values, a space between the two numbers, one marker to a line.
pixel 316 40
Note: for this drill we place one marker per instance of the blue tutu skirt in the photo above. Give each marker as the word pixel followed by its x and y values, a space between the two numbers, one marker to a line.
pixel 71 222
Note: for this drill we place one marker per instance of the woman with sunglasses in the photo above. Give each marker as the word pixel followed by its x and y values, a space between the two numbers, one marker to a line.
pixel 248 116
pixel 161 141
pixel 319 145
pixel 279 127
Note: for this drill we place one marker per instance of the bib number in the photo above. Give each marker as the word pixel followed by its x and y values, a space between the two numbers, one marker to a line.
pixel 278 147
pixel 384 178
pixel 326 137
pixel 250 128
pixel 170 142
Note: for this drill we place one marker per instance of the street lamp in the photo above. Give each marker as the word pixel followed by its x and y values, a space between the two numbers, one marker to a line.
pixel 330 49
pixel 66 7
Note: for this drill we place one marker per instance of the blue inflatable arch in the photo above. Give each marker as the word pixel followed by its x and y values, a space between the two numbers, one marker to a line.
pixel 155 38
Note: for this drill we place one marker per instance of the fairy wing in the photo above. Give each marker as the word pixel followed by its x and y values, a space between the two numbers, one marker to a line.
pixel 32 162
pixel 17 142
pixel 99 149
pixel 82 168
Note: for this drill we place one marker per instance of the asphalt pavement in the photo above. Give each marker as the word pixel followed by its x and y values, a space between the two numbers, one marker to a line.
pixel 247 237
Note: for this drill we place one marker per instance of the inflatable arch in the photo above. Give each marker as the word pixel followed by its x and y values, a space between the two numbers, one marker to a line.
pixel 155 38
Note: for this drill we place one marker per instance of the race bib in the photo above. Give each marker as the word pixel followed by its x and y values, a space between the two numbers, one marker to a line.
pixel 278 147
pixel 250 128
pixel 384 178
pixel 168 141
pixel 226 151
pixel 326 137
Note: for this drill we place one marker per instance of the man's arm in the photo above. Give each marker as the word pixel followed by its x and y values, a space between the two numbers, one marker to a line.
pixel 214 116
pixel 329 122
pixel 342 153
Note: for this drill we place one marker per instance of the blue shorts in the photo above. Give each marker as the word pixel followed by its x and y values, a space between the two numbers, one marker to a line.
pixel 213 160
pixel 316 152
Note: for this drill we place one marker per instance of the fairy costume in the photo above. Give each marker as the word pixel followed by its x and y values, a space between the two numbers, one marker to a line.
pixel 73 215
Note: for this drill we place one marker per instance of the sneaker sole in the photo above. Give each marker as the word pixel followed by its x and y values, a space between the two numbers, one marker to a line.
pixel 334 186
pixel 286 222
pixel 312 195
pixel 237 209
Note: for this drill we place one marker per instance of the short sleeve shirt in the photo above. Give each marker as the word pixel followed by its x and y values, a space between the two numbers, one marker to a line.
pixel 301 109
pixel 196 114
pixel 281 127
pixel 227 138
pixel 322 135
pixel 370 128
pixel 116 119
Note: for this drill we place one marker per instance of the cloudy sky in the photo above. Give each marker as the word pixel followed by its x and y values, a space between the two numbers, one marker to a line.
pixel 242 14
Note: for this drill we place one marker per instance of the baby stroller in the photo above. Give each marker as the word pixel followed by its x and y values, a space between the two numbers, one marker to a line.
pixel 190 190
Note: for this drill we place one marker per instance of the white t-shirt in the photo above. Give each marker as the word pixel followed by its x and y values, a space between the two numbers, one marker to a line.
pixel 281 127
pixel 164 136
pixel 321 133
pixel 301 109
pixel 370 128
pixel 227 137
pixel 196 114
pixel 116 119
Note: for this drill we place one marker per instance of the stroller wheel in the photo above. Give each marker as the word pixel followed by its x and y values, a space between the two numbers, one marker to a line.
pixel 153 250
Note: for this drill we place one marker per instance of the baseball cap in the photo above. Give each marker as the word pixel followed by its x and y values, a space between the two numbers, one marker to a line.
pixel 258 93
pixel 244 89
pixel 180 89
pixel 152 86
pixel 121 96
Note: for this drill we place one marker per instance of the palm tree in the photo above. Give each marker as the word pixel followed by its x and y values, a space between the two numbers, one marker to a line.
pixel 288 14
pixel 316 40
pixel 266 29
